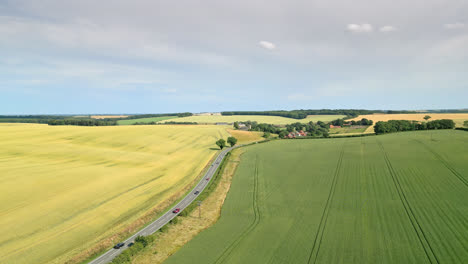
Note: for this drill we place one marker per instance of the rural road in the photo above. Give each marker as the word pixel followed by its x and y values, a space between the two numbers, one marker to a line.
pixel 168 216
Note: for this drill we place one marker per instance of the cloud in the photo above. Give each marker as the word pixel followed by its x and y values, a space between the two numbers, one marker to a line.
pixel 454 26
pixel 362 28
pixel 388 29
pixel 267 45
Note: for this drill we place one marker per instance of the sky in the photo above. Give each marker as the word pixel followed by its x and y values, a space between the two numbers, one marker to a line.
pixel 155 56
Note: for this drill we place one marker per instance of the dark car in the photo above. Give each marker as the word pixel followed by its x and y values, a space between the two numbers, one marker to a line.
pixel 197 192
pixel 176 210
pixel 119 245
pixel 207 179
pixel 130 244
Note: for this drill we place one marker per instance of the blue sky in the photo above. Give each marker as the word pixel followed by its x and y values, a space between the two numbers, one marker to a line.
pixel 71 57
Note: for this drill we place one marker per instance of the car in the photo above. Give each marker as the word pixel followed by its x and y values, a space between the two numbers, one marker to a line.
pixel 197 192
pixel 176 210
pixel 130 244
pixel 119 245
pixel 207 179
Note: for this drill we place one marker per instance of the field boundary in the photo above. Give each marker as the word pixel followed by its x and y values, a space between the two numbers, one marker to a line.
pixel 443 161
pixel 409 211
pixel 326 211
pixel 252 226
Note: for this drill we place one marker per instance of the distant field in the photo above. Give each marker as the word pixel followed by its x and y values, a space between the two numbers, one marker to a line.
pixel 457 118
pixel 66 188
pixel 145 120
pixel 277 120
pixel 107 116
pixel 398 198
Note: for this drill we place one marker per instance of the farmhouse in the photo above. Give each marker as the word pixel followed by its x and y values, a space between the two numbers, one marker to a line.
pixel 296 134
pixel 332 126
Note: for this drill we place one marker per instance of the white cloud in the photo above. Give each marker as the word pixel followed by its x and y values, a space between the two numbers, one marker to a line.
pixel 388 29
pixel 360 28
pixel 454 26
pixel 267 45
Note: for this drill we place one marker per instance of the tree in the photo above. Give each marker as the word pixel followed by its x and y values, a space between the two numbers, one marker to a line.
pixel 266 134
pixel 236 125
pixel 232 141
pixel 221 143
pixel 427 117
pixel 283 134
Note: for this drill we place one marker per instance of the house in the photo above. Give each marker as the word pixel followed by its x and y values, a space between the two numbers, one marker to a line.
pixel 332 126
pixel 296 134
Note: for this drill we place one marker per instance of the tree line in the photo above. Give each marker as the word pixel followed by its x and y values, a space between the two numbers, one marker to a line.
pixel 301 114
pixel 362 122
pixel 81 122
pixel 391 126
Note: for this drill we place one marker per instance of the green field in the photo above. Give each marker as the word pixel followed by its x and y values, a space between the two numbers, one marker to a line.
pixel 397 198
pixel 276 120
pixel 144 120
pixel 66 189
pixel 346 130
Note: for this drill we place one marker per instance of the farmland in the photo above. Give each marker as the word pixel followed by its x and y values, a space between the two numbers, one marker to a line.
pixel 65 189
pixel 145 120
pixel 244 137
pixel 276 120
pixel 457 118
pixel 397 198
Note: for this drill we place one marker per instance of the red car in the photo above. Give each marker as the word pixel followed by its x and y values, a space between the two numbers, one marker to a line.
pixel 207 179
pixel 176 210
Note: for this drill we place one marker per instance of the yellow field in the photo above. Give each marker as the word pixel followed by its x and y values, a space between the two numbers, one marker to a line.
pixel 457 118
pixel 277 120
pixel 244 137
pixel 65 188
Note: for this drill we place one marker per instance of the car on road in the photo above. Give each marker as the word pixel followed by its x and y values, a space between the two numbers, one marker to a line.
pixel 176 210
pixel 207 179
pixel 130 244
pixel 119 245
pixel 197 192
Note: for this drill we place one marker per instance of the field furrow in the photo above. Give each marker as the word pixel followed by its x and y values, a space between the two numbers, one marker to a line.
pixel 323 220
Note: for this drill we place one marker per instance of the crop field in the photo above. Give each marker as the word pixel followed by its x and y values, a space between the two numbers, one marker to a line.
pixel 276 120
pixel 145 120
pixel 64 189
pixel 457 118
pixel 397 198
pixel 244 137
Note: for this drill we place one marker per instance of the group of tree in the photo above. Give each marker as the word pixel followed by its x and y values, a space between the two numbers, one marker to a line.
pixel 318 129
pixel 391 126
pixel 362 122
pixel 301 114
pixel 81 122
pixel 222 143
pixel 38 119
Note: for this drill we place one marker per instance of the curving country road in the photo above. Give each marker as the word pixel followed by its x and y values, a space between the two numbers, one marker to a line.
pixel 168 216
